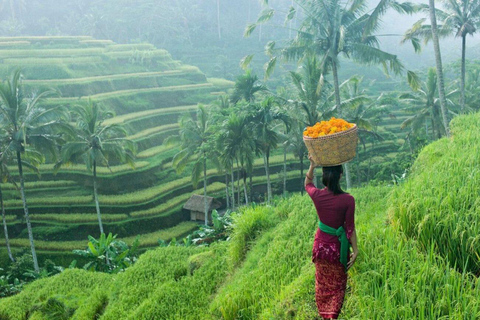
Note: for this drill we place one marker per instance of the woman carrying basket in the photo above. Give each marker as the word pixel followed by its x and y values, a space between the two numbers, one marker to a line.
pixel 336 233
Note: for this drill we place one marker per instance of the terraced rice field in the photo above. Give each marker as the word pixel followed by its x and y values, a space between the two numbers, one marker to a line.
pixel 148 91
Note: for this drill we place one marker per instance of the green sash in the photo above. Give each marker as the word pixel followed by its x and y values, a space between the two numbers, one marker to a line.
pixel 342 237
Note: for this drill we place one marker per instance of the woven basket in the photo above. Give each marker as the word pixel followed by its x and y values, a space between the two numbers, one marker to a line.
pixel 333 149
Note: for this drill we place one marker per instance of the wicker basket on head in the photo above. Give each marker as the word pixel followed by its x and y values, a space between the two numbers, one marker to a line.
pixel 333 149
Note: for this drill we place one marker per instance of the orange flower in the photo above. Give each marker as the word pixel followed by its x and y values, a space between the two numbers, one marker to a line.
pixel 324 128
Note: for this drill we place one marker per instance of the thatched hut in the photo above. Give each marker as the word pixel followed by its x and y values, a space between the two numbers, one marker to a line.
pixel 196 206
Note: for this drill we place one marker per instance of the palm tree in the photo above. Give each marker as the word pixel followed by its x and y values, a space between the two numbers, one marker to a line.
pixel 96 144
pixel 363 111
pixel 27 122
pixel 306 84
pixel 197 141
pixel 31 160
pixel 5 176
pixel 237 144
pixel 332 29
pixel 15 6
pixel 296 145
pixel 425 104
pixel 438 63
pixel 218 20
pixel 265 120
pixel 246 86
pixel 460 18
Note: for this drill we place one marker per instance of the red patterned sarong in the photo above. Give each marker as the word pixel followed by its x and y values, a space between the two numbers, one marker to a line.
pixel 330 285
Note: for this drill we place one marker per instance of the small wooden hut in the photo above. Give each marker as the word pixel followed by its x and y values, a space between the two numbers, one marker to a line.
pixel 196 206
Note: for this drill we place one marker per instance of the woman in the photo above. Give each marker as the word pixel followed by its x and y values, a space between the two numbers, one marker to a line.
pixel 336 232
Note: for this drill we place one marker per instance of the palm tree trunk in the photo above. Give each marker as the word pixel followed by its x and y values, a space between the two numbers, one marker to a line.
pixel 27 217
pixel 269 189
pixel 218 20
pixel 233 189
pixel 347 176
pixel 338 103
pixel 205 188
pixel 238 183
pixel 336 87
pixel 227 196
pixel 12 9
pixel 95 195
pixel 438 63
pixel 251 185
pixel 301 175
pixel 5 228
pixel 462 80
pixel 284 172
pixel 245 185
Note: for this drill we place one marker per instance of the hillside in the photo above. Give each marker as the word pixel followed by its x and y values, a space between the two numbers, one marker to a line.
pixel 264 271
pixel 148 91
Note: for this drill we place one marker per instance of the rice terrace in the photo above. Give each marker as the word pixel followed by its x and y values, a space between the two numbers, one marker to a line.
pixel 274 159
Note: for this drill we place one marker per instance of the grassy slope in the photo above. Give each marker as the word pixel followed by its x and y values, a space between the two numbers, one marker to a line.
pixel 264 271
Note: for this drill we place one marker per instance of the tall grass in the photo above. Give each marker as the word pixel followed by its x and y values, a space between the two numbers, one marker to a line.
pixel 439 206
pixel 265 272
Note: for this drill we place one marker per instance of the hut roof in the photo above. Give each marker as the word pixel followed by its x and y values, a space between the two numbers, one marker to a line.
pixel 196 203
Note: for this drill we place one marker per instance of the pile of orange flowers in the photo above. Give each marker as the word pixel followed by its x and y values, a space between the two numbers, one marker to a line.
pixel 324 128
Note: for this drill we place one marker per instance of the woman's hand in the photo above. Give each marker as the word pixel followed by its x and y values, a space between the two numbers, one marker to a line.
pixel 353 257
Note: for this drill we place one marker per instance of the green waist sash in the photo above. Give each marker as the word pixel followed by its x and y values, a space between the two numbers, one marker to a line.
pixel 342 237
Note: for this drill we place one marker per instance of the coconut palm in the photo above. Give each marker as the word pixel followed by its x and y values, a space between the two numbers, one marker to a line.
pixel 5 176
pixel 425 105
pixel 14 6
pixel 246 86
pixel 460 18
pixel 266 119
pixel 32 160
pixel 306 83
pixel 295 144
pixel 438 63
pixel 333 28
pixel 96 143
pixel 27 122
pixel 197 145
pixel 238 144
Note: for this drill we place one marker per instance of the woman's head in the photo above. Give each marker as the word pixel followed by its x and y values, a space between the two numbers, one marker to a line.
pixel 331 178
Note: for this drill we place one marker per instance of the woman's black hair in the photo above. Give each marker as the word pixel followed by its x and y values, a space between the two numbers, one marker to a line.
pixel 331 178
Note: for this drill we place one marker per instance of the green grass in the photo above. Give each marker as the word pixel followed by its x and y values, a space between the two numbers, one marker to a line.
pixel 122 76
pixel 129 47
pixel 151 131
pixel 221 83
pixel 41 184
pixel 97 42
pixel 14 44
pixel 53 61
pixel 126 93
pixel 439 205
pixel 265 272
pixel 177 202
pixel 146 240
pixel 50 53
pixel 76 217
pixel 143 114
pixel 46 38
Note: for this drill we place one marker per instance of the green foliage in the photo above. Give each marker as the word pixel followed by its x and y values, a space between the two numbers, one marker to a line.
pixel 53 309
pixel 391 279
pixel 247 225
pixel 108 254
pixel 441 210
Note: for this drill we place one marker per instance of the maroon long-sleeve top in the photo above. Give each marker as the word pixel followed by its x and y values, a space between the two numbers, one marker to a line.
pixel 334 211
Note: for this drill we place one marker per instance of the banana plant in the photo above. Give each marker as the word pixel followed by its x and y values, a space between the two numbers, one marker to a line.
pixel 108 254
